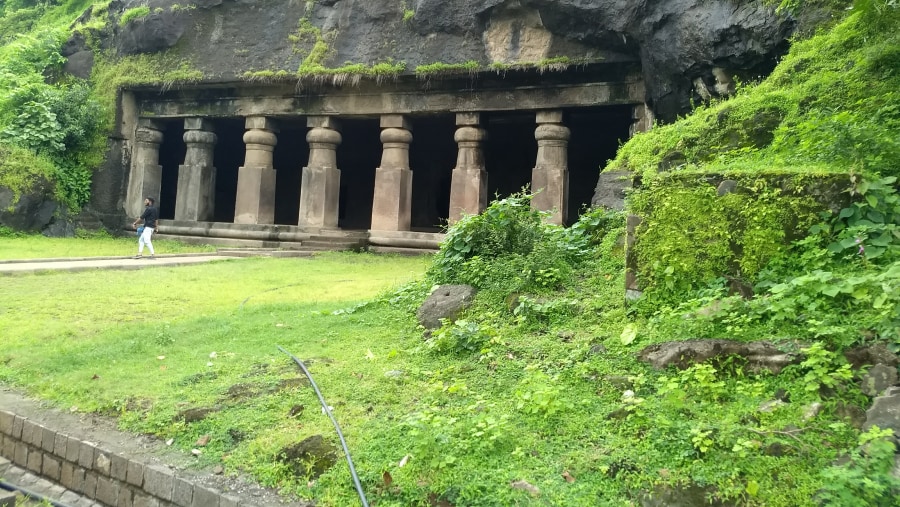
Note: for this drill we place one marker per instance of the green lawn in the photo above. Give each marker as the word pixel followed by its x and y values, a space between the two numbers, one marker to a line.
pixel 40 247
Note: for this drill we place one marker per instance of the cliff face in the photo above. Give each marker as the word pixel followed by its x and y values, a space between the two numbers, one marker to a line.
pixel 676 41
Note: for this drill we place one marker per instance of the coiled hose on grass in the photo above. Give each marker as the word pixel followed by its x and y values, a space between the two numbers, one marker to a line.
pixel 359 490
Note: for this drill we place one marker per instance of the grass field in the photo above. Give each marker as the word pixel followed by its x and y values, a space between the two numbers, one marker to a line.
pixel 37 246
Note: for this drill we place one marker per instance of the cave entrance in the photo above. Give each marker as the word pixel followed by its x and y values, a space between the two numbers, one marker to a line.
pixel 596 133
pixel 510 152
pixel 171 155
pixel 432 156
pixel 357 157
pixel 228 156
pixel 290 156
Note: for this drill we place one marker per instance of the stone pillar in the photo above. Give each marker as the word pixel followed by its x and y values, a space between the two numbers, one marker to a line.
pixel 468 187
pixel 320 182
pixel 392 203
pixel 550 177
pixel 146 173
pixel 641 119
pixel 255 202
pixel 196 197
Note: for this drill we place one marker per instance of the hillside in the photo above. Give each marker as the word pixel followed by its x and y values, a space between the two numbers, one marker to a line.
pixel 544 392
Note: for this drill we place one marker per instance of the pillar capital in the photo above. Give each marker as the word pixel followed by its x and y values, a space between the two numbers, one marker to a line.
pixel 322 135
pixel 148 135
pixel 199 124
pixel 260 123
pixel 551 132
pixel 323 122
pixel 260 140
pixel 150 123
pixel 395 121
pixel 469 135
pixel 396 136
pixel 199 137
pixel 549 116
pixel 468 119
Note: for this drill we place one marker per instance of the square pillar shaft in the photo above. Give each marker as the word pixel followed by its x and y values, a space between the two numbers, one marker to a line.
pixel 255 201
pixel 320 181
pixel 550 177
pixel 392 203
pixel 468 187
pixel 195 198
pixel 145 179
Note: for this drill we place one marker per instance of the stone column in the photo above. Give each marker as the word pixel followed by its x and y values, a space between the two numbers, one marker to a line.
pixel 320 181
pixel 255 202
pixel 550 177
pixel 641 119
pixel 468 187
pixel 392 203
pixel 195 200
pixel 146 173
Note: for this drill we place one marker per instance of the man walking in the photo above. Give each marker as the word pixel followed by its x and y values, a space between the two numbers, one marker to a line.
pixel 150 218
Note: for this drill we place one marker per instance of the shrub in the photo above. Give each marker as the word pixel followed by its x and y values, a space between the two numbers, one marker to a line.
pixel 133 14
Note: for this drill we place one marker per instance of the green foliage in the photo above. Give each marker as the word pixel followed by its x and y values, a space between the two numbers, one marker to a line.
pixel 135 13
pixel 446 69
pixel 823 368
pixel 738 234
pixel 408 14
pixel 22 171
pixel 540 394
pixel 867 479
pixel 460 337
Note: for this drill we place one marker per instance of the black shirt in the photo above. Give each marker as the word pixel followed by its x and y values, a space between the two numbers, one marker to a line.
pixel 150 216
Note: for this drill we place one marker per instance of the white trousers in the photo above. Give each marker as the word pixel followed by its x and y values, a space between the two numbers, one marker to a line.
pixel 145 240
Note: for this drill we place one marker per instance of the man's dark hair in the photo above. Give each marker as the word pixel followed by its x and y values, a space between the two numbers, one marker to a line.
pixel 152 200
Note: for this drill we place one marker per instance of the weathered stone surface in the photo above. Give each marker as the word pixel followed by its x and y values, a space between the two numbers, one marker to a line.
pixel 759 355
pixel 676 41
pixel 878 378
pixel 885 412
pixel 159 482
pixel 870 356
pixel 446 302
pixel 31 212
pixel 80 64
pixel 690 495
pixel 610 190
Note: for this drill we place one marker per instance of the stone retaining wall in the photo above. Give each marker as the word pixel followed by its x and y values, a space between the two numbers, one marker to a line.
pixel 108 478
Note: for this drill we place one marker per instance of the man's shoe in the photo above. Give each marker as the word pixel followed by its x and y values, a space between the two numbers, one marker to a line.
pixel 138 256
pixel 152 257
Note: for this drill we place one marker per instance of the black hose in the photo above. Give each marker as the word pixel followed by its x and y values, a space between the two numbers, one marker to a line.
pixel 359 490
pixel 30 494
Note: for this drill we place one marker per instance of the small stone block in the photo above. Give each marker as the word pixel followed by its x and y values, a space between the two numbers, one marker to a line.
pixel 126 497
pixel 59 445
pixel 183 493
pixel 199 124
pixel 8 449
pixel 6 422
pixel 159 482
pixel 7 499
pixel 20 457
pixel 135 474
pixel 395 121
pixel 4 465
pixel 32 433
pixel 323 122
pixel 86 455
pixel 549 116
pixel 102 462
pixel 67 474
pixel 260 122
pixel 48 440
pixel 18 422
pixel 77 480
pixel 50 468
pixel 150 123
pixel 107 491
pixel 205 498
pixel 90 485
pixel 35 460
pixel 73 447
pixel 145 501
pixel 229 501
pixel 468 119
pixel 118 467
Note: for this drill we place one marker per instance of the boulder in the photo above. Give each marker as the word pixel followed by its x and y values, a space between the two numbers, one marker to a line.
pixel 878 378
pixel 610 190
pixel 760 355
pixel 689 495
pixel 445 302
pixel 80 64
pixel 153 33
pixel 885 412
pixel 31 212
pixel 870 356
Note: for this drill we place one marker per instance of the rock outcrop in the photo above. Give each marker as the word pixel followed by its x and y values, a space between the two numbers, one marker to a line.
pixel 678 43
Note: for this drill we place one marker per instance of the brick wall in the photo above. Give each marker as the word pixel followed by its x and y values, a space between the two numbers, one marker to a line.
pixel 106 477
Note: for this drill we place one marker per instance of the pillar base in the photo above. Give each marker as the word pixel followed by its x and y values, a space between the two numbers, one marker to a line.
pixel 196 193
pixel 468 192
pixel 255 203
pixel 392 205
pixel 319 196
pixel 551 185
